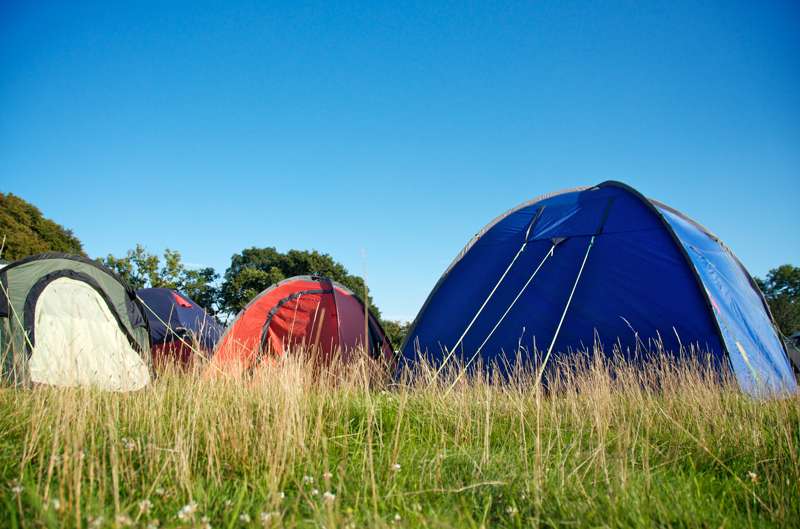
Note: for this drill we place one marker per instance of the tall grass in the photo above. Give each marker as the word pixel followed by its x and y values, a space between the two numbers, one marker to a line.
pixel 606 445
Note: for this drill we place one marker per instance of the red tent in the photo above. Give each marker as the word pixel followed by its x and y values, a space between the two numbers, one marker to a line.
pixel 308 313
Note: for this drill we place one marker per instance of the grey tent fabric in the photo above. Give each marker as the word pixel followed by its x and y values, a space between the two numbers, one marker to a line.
pixel 67 320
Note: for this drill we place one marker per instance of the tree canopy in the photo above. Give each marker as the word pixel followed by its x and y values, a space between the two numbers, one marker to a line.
pixel 28 232
pixel 142 269
pixel 250 272
pixel 254 269
pixel 782 290
pixel 396 331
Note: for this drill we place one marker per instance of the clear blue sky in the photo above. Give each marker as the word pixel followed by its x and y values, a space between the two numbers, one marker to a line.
pixel 388 134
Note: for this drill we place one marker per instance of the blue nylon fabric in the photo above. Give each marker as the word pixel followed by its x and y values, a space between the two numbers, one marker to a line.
pixel 755 350
pixel 637 289
pixel 193 319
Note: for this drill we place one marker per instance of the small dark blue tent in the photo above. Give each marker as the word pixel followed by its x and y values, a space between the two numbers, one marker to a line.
pixel 601 265
pixel 171 314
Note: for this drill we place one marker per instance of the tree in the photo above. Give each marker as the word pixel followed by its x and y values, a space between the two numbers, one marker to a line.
pixel 782 290
pixel 142 269
pixel 396 331
pixel 28 232
pixel 139 268
pixel 254 269
pixel 200 284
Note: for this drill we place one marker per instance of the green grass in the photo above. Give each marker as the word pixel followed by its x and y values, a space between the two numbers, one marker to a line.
pixel 599 451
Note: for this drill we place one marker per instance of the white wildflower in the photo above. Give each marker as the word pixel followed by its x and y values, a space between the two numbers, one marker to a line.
pixel 153 524
pixel 327 475
pixel 308 479
pixel 96 523
pixel 397 517
pixel 396 467
pixel 145 505
pixel 55 503
pixel 123 520
pixel 753 476
pixel 329 496
pixel 244 518
pixel 17 490
pixel 512 510
pixel 267 517
pixel 281 495
pixel 160 491
pixel 187 511
pixel 205 523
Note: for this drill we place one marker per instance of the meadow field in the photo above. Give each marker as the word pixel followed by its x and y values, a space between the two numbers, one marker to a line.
pixel 606 445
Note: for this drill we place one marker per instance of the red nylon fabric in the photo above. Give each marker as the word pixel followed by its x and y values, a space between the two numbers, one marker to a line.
pixel 173 352
pixel 351 319
pixel 308 321
pixel 315 322
pixel 351 325
pixel 241 343
pixel 180 300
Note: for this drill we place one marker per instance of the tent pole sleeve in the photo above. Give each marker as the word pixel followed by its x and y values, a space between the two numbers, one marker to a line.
pixel 564 313
pixel 336 311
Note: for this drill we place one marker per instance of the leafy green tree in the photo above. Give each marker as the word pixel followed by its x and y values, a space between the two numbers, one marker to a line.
pixel 142 269
pixel 172 270
pixel 254 269
pixel 28 232
pixel 138 267
pixel 782 290
pixel 200 284
pixel 396 331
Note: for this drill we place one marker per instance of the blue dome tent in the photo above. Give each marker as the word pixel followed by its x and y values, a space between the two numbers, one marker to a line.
pixel 174 319
pixel 600 266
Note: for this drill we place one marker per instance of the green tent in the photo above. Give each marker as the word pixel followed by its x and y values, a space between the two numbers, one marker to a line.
pixel 68 321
